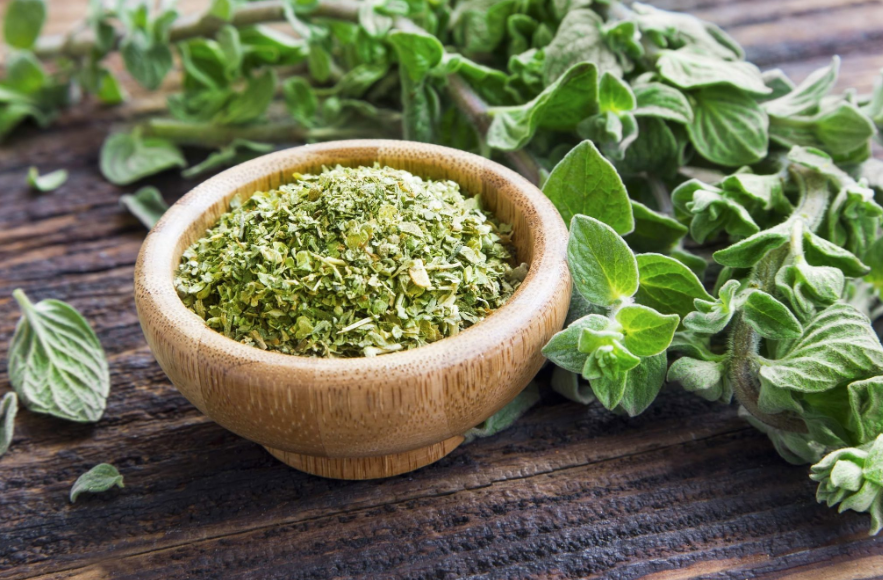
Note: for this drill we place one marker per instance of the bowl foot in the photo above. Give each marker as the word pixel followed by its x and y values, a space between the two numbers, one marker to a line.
pixel 367 467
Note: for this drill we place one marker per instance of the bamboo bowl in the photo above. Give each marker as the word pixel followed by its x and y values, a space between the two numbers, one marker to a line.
pixel 358 418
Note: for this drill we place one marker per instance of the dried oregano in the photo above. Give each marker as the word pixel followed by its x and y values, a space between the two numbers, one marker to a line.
pixel 351 262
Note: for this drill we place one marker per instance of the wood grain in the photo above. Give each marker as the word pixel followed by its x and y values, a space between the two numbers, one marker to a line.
pixel 362 417
pixel 686 490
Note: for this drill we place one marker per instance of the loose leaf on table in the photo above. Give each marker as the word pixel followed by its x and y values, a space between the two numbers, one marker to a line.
pixel 56 363
pixel 561 106
pixel 100 478
pixel 728 127
pixel 49 182
pixel 146 204
pixel 23 21
pixel 8 410
pixel 128 157
pixel 584 182
pixel 603 267
pixel 647 332
pixel 668 285
pixel 505 417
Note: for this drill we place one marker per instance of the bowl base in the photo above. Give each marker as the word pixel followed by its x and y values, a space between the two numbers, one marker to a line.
pixel 367 467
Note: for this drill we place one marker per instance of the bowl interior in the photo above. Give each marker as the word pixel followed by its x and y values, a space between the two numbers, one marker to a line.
pixel 494 188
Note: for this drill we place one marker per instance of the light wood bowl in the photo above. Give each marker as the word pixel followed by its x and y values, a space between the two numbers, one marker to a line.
pixel 358 418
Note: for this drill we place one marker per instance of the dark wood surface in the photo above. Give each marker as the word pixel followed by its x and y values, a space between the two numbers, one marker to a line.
pixel 686 490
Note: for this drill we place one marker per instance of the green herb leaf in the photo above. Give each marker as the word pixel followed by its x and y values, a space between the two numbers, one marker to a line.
pixel 689 70
pixel 852 478
pixel 562 348
pixel 704 378
pixel 728 127
pixel 769 317
pixel 837 347
pixel 23 21
pixel 300 100
pixel 56 363
pixel 614 95
pixel 48 182
pixel 667 285
pixel 586 183
pixel 805 98
pixel 251 103
pixel 100 478
pixel 642 384
pixel 238 151
pixel 128 157
pixel 146 204
pixel 821 252
pixel 711 210
pixel 647 332
pixel 839 129
pixel 712 316
pixel 579 40
pixel 603 267
pixel 418 53
pixel 749 251
pixel 665 28
pixel 653 230
pixel 8 410
pixel 866 405
pixel 662 101
pixel 568 385
pixel 506 417
pixel 145 47
pixel 561 106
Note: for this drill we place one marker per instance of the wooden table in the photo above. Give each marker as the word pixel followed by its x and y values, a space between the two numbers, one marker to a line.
pixel 685 490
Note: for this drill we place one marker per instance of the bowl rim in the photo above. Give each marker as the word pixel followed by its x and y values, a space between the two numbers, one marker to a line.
pixel 154 271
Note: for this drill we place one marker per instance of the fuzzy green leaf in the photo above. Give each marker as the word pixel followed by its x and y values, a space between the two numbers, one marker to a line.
pixel 690 70
pixel 805 98
pixel 8 410
pixel 769 317
pixel 704 378
pixel 146 204
pixel 642 384
pixel 506 417
pixel 712 316
pixel 749 251
pixel 561 106
pixel 100 478
pixel 584 182
pixel 579 40
pixel 866 404
pixel 662 101
pixel 647 332
pixel 56 363
pixel 837 347
pixel 668 285
pixel 603 267
pixel 23 21
pixel 653 230
pixel 614 95
pixel 728 127
pixel 128 157
pixel 49 182
pixel 562 349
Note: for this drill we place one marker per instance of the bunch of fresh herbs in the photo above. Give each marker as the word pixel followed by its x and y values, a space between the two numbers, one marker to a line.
pixel 724 229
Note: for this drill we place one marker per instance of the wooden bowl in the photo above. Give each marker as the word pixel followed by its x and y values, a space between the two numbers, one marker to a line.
pixel 358 418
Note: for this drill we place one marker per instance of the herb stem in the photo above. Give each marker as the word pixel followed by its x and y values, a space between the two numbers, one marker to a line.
pixel 202 134
pixel 475 109
pixel 744 340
